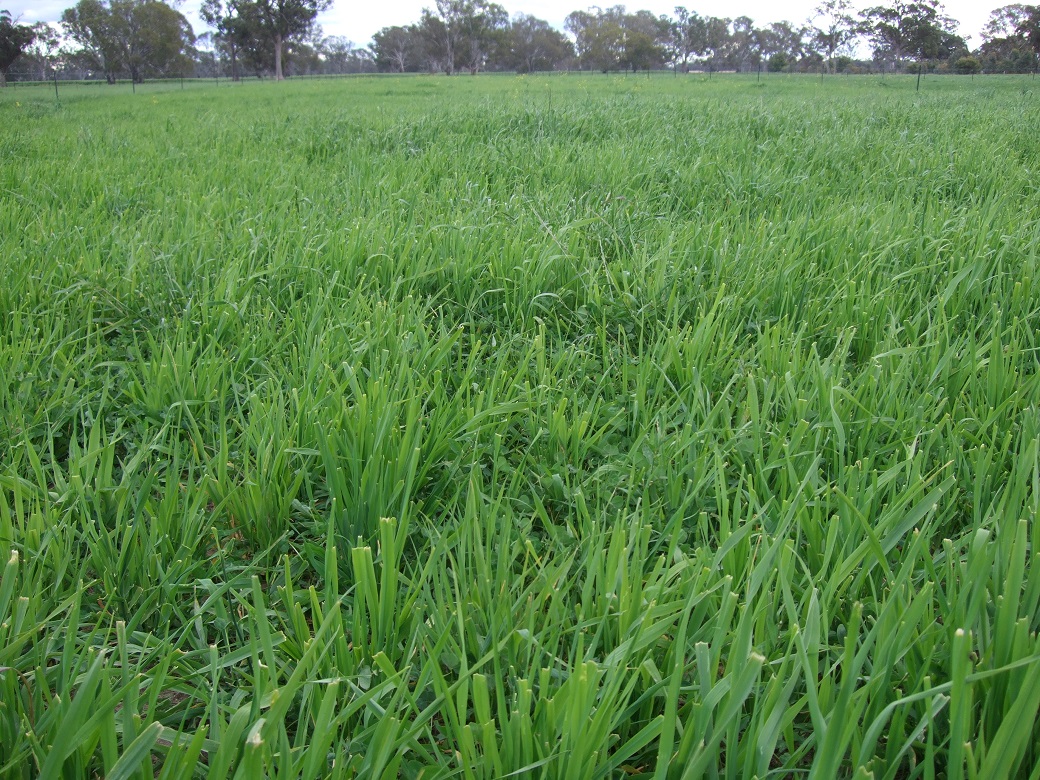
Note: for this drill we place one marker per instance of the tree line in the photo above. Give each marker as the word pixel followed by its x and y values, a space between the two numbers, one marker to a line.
pixel 139 39
pixel 474 35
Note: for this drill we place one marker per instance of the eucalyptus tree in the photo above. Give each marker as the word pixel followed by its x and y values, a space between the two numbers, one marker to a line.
pixel 1003 47
pixel 462 34
pixel 343 56
pixel 644 40
pixel 1029 27
pixel 14 39
pixel 139 37
pixel 920 30
pixel 717 41
pixel 688 36
pixel 599 36
pixel 232 29
pixel 436 43
pixel 833 29
pixel 160 40
pixel 43 54
pixel 398 48
pixel 1011 37
pixel 611 38
pixel 484 28
pixel 278 23
pixel 781 43
pixel 534 44
pixel 744 50
pixel 90 26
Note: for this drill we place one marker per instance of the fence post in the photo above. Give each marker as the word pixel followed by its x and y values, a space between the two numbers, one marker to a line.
pixel 56 98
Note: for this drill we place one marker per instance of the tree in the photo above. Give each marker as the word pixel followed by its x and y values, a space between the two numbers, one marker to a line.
pixel 397 49
pixel 90 24
pixel 232 32
pixel 207 60
pixel 463 34
pixel 780 44
pixel 920 30
pixel 141 37
pixel 484 29
pixel 607 39
pixel 438 43
pixel 644 40
pixel 1028 27
pixel 43 52
pixel 14 39
pixel 534 44
pixel 716 40
pixel 1004 21
pixel 276 23
pixel 1006 55
pixel 159 40
pixel 1012 38
pixel 743 49
pixel 966 66
pixel 598 36
pixel 340 55
pixel 688 32
pixel 832 29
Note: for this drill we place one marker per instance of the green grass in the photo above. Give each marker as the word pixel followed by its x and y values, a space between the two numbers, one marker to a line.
pixel 562 427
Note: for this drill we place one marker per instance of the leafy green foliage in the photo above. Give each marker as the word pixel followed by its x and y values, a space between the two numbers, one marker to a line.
pixel 273 23
pixel 14 39
pixel 834 30
pixel 566 428
pixel 141 37
pixel 919 29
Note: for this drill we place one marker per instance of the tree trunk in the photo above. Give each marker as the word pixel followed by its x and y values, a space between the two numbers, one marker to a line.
pixel 278 58
pixel 3 78
pixel 919 69
pixel 234 63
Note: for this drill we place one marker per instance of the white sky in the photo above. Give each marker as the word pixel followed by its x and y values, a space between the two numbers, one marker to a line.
pixel 359 20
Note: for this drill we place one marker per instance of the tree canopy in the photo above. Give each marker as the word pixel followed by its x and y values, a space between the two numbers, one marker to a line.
pixel 1012 37
pixel 920 30
pixel 14 39
pixel 139 37
pixel 611 38
pixel 149 38
pixel 278 22
pixel 833 29
pixel 533 44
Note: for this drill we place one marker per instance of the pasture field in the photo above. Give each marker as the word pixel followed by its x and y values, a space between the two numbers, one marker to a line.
pixel 550 427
